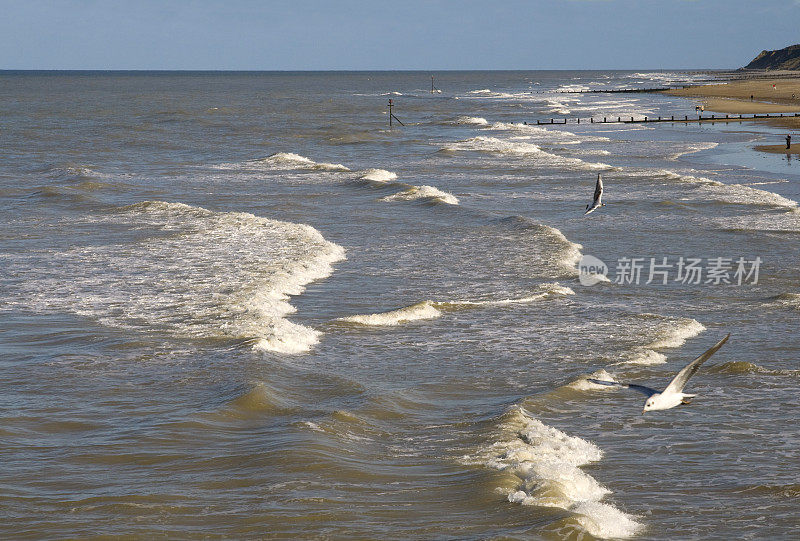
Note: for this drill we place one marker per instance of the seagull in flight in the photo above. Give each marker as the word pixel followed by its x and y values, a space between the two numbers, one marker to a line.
pixel 598 194
pixel 673 395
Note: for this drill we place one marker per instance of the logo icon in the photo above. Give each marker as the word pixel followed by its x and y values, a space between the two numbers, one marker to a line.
pixel 592 270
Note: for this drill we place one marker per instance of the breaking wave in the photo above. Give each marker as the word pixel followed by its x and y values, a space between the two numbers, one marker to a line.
pixel 432 309
pixel 547 464
pixel 472 120
pixel 415 312
pixel 378 175
pixel 522 149
pixel 287 161
pixel 668 333
pixel 188 272
pixel 790 300
pixel 731 193
pixel 429 193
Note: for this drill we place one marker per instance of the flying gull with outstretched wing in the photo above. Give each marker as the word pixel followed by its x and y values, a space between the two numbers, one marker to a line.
pixel 673 395
pixel 598 194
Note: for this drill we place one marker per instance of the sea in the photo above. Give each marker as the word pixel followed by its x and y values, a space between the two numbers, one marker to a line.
pixel 242 305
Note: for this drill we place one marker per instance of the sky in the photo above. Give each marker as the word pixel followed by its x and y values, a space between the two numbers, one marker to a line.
pixel 383 35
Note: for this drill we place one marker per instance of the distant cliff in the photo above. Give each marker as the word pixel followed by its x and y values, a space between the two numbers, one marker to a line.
pixel 782 59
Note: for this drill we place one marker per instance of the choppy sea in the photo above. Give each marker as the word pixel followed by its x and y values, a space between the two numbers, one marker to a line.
pixel 238 305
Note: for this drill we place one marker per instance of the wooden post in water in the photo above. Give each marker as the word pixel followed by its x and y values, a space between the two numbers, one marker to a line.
pixel 391 115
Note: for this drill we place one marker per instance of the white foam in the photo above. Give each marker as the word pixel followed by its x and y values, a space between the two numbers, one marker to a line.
pixel 522 149
pixel 555 106
pixel 191 273
pixel 731 193
pixel 423 192
pixel 286 161
pixel 573 88
pixel 415 312
pixel 606 521
pixel 668 333
pixel 645 357
pixel 675 333
pixel 583 383
pixel 431 310
pixel 547 463
pixel 791 300
pixel 378 175
pixel 472 120
pixel 691 148
pixel 546 290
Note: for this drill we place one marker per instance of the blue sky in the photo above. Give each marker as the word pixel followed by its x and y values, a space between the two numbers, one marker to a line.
pixel 403 34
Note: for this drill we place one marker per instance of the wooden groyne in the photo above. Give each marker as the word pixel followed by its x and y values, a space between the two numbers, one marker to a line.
pixel 648 120
pixel 617 90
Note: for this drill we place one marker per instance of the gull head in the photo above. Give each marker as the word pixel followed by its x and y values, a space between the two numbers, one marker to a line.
pixel 650 404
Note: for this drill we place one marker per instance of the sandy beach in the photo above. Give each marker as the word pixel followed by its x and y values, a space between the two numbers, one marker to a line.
pixel 753 96
pixel 778 92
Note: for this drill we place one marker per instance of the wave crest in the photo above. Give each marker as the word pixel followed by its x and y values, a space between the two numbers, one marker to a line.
pixel 548 464
pixel 430 193
pixel 190 272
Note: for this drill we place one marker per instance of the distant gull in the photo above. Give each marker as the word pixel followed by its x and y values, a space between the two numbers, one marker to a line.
pixel 673 395
pixel 598 194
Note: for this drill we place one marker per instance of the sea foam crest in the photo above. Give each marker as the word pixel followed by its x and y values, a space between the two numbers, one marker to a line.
pixel 472 120
pixel 548 464
pixel 284 161
pixel 731 193
pixel 415 312
pixel 423 192
pixel 522 149
pixel 378 175
pixel 431 309
pixel 295 161
pixel 668 333
pixel 192 273
pixel 789 300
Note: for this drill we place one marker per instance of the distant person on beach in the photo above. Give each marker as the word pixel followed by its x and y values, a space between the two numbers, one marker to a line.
pixel 751 97
pixel 788 142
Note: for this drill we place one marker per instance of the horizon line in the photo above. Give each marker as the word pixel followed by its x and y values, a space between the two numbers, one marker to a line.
pixel 415 70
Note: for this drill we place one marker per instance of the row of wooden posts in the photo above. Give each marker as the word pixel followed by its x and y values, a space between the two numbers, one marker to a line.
pixel 700 118
pixel 619 120
pixel 611 90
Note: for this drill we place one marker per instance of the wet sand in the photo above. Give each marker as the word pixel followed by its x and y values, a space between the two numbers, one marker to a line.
pixel 779 149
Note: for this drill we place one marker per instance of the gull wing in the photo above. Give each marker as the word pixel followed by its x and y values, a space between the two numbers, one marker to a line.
pixel 598 189
pixel 638 388
pixel 598 194
pixel 679 381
